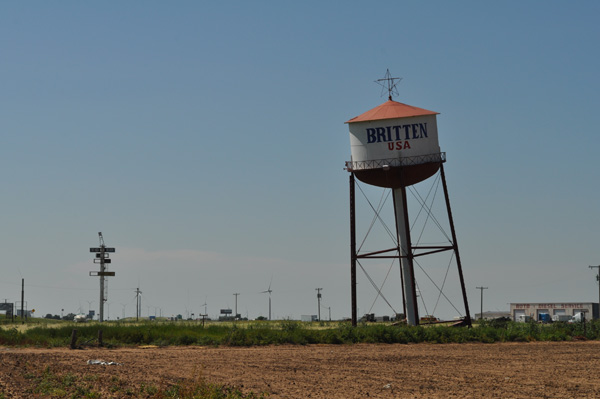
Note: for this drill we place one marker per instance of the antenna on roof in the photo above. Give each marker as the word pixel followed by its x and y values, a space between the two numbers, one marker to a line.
pixel 387 83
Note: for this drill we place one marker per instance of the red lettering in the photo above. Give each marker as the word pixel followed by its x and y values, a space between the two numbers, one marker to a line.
pixel 399 145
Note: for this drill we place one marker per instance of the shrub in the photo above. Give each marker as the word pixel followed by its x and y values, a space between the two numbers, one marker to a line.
pixel 293 332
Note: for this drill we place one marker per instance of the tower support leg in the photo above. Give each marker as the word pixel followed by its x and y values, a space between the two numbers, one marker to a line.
pixel 455 245
pixel 406 257
pixel 353 249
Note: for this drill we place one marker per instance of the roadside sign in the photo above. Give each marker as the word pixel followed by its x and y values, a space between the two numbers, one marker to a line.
pixel 100 274
pixel 100 250
pixel 106 260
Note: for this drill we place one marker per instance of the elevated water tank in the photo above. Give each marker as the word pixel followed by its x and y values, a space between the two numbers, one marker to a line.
pixel 393 138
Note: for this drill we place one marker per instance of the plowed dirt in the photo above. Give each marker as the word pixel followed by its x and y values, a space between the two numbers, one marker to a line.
pixel 507 370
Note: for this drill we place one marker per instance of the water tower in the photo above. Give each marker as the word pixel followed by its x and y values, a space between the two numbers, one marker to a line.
pixel 395 145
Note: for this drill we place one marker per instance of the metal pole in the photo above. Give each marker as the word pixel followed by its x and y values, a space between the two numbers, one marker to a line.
pixel 454 243
pixel 22 299
pixel 353 250
pixel 406 255
pixel 138 305
pixel 597 279
pixel 102 269
pixel 481 312
pixel 400 260
pixel 235 315
pixel 318 302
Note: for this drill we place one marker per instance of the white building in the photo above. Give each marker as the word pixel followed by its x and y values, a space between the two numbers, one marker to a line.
pixel 559 308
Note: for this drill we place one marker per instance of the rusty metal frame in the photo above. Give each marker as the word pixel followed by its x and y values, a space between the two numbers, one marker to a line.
pixel 354 256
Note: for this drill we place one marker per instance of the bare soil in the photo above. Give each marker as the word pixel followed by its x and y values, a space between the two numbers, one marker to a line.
pixel 506 370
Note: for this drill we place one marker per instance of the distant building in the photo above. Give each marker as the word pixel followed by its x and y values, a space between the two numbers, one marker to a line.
pixel 492 315
pixel 309 317
pixel 534 310
pixel 27 313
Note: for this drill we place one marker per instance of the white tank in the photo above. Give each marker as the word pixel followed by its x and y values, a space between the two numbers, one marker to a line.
pixel 394 137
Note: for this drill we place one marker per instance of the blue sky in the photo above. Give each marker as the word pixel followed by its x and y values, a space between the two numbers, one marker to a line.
pixel 207 142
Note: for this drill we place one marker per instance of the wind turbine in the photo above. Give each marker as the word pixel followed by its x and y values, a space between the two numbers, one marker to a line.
pixel 138 304
pixel 269 291
pixel 205 304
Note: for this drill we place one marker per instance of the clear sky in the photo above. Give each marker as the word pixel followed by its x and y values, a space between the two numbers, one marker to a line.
pixel 206 140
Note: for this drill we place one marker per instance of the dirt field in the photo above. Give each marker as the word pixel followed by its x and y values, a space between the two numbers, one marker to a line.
pixel 513 370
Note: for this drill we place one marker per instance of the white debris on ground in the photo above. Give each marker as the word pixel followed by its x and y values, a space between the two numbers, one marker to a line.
pixel 103 363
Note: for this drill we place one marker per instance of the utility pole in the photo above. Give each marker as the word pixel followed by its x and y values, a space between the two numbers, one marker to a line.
pixel 102 270
pixel 103 259
pixel 597 279
pixel 22 299
pixel 481 289
pixel 236 313
pixel 319 301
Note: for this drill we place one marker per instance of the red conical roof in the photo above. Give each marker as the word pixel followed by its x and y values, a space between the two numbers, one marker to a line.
pixel 390 110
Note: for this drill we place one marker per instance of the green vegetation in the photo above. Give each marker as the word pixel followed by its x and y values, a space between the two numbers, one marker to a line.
pixel 52 384
pixel 289 332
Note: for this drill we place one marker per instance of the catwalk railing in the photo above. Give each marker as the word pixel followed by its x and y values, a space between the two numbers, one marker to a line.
pixel 395 162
